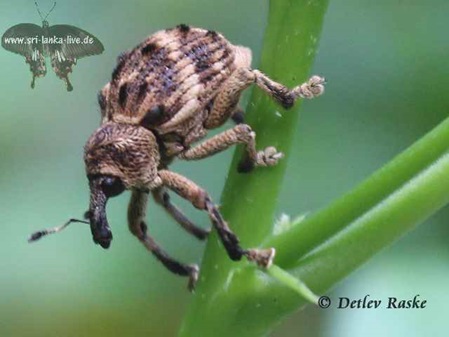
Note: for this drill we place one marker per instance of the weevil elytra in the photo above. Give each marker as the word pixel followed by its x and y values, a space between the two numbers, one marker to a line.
pixel 164 95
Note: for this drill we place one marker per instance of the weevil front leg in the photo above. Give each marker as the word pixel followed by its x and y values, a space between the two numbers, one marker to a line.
pixel 201 200
pixel 239 134
pixel 137 226
pixel 162 197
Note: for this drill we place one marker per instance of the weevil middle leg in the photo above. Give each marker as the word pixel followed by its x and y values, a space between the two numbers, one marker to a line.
pixel 239 134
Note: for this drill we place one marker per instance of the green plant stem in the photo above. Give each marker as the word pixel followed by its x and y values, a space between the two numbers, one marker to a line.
pixel 298 240
pixel 392 217
pixel 249 201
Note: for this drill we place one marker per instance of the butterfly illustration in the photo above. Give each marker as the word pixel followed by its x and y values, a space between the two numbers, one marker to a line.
pixel 64 44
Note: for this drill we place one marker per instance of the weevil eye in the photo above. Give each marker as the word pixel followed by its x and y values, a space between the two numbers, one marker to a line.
pixel 112 186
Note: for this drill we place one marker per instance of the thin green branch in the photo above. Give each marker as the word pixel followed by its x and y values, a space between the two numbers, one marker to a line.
pixel 292 282
pixel 399 173
pixel 409 205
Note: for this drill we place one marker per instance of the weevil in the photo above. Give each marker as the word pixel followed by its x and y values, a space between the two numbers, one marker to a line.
pixel 165 95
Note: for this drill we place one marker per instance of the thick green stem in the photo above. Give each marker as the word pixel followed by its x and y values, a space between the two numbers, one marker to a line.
pixel 249 201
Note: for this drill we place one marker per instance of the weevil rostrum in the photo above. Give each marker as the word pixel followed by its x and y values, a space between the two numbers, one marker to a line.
pixel 164 95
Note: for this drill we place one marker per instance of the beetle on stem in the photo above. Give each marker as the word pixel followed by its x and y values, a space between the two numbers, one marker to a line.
pixel 164 95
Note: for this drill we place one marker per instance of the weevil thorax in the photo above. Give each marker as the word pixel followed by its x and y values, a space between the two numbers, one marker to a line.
pixel 127 152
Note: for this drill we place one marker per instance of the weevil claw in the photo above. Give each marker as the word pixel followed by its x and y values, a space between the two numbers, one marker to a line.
pixel 193 277
pixel 262 257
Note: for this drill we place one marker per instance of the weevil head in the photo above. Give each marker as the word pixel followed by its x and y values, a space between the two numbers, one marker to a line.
pixel 117 157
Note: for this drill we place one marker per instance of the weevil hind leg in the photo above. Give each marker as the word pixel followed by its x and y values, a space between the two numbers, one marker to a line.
pixel 201 200
pixel 286 97
pixel 137 226
pixel 162 197
pixel 225 103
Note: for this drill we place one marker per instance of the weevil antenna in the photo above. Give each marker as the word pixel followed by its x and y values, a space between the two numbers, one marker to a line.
pixel 37 235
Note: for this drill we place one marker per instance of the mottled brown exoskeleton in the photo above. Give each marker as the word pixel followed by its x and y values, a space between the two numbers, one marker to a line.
pixel 164 95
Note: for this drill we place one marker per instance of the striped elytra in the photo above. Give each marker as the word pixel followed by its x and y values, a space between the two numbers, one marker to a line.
pixel 169 69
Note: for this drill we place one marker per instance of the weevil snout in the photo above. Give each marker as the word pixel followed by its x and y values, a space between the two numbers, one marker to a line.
pixel 101 189
pixel 101 233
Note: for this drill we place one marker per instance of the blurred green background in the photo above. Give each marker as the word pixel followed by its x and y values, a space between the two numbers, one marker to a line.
pixel 386 64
